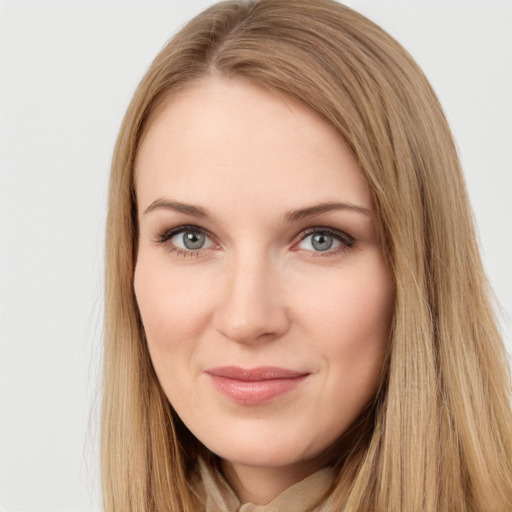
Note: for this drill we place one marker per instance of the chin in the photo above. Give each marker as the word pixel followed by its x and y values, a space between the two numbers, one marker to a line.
pixel 263 451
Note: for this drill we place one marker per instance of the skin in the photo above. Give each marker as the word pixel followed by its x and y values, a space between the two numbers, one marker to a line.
pixel 259 292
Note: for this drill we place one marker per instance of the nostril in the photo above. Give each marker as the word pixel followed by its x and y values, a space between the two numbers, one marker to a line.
pixel 263 328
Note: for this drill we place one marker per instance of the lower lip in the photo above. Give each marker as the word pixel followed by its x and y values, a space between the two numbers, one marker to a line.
pixel 255 392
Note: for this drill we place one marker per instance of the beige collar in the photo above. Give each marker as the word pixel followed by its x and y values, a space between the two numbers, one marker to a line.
pixel 304 496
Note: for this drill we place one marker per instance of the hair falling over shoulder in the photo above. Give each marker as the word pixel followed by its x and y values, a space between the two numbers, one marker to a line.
pixel 439 434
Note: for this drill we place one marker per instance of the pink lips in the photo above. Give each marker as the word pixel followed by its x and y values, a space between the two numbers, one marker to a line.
pixel 256 385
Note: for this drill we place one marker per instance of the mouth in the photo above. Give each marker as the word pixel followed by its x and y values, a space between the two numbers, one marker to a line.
pixel 255 385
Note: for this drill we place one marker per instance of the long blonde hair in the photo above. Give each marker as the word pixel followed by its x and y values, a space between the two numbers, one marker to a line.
pixel 439 434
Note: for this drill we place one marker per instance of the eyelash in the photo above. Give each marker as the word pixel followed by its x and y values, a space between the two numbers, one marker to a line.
pixel 165 237
pixel 347 242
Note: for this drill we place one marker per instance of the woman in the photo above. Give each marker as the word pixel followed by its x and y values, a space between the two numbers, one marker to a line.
pixel 296 313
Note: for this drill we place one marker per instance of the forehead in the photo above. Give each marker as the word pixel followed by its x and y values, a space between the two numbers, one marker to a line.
pixel 222 140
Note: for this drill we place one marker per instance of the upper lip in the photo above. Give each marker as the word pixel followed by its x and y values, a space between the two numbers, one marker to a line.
pixel 255 374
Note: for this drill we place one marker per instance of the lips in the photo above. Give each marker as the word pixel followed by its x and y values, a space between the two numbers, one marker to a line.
pixel 256 385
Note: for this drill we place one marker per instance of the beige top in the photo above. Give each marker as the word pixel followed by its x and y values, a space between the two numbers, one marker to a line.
pixel 304 496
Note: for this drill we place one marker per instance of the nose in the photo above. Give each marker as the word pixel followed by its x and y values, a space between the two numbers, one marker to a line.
pixel 251 305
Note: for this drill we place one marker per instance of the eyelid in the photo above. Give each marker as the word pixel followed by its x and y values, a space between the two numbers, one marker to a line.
pixel 344 238
pixel 165 237
pixel 337 233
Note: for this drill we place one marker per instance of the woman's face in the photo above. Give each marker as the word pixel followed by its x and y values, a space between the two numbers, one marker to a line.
pixel 260 279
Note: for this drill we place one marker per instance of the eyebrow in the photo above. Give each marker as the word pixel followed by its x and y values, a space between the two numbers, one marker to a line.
pixel 188 209
pixel 313 211
pixel 288 217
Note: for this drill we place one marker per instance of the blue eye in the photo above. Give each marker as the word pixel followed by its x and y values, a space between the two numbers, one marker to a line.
pixel 191 240
pixel 322 240
pixel 186 239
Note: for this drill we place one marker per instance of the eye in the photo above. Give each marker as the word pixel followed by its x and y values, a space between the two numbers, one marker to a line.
pixel 191 240
pixel 325 240
pixel 185 240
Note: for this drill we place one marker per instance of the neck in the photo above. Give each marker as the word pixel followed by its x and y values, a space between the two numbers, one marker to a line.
pixel 260 485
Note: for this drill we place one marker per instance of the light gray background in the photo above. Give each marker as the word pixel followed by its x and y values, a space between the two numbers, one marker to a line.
pixel 67 71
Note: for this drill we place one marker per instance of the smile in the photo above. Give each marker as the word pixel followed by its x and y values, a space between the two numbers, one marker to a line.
pixel 254 386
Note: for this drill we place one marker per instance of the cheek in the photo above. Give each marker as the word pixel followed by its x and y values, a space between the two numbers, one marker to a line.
pixel 365 314
pixel 173 311
pixel 353 306
pixel 349 319
pixel 366 319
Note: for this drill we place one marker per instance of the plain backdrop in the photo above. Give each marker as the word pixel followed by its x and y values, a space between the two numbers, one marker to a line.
pixel 67 72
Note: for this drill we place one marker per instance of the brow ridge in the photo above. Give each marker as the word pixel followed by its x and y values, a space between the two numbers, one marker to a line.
pixel 288 217
pixel 313 211
pixel 188 209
